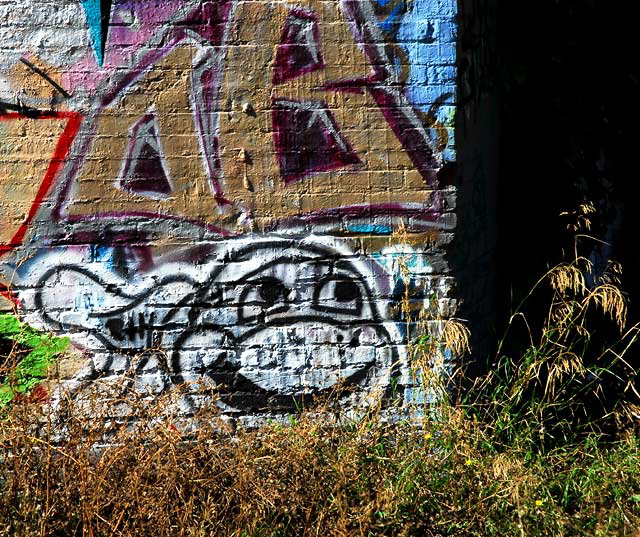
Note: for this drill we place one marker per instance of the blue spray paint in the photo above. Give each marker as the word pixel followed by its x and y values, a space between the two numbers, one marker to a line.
pixel 371 229
pixel 98 13
pixel 387 25
pixel 427 33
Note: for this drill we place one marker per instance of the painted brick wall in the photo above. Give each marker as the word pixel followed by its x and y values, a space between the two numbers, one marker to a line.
pixel 228 191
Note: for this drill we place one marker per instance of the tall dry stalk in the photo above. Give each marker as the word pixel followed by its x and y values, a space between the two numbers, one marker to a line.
pixel 574 376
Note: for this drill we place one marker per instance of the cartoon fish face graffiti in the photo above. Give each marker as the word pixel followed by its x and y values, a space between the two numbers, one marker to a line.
pixel 298 319
pixel 271 321
pixel 191 123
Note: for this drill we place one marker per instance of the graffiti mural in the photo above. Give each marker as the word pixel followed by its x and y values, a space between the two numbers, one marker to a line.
pixel 266 319
pixel 210 189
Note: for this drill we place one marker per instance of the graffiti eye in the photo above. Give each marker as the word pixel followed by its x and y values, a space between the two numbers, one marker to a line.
pixel 346 291
pixel 339 295
pixel 272 291
pixel 265 296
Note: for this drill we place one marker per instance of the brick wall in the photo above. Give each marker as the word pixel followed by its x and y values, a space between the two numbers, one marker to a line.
pixel 236 192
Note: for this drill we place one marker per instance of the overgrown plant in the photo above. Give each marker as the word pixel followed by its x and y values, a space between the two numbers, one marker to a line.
pixel 506 462
pixel 435 344
pixel 364 477
pixel 25 357
pixel 573 377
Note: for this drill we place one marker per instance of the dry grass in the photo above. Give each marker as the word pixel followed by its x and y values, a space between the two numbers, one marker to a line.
pixel 365 477
pixel 543 444
pixel 111 465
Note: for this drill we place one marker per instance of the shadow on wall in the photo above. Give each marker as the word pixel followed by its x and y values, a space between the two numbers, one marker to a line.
pixel 473 252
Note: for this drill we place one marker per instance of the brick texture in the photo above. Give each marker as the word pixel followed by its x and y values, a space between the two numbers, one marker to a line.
pixel 231 192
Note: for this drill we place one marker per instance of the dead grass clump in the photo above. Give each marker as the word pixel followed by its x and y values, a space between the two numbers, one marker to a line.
pixel 109 474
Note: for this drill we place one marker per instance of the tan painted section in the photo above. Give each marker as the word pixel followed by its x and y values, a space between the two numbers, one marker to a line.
pixel 68 364
pixel 387 175
pixel 31 87
pixel 251 176
pixel 26 148
pixel 165 90
pixel 6 305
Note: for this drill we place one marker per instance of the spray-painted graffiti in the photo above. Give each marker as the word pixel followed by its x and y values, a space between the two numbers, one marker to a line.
pixel 266 319
pixel 25 357
pixel 213 185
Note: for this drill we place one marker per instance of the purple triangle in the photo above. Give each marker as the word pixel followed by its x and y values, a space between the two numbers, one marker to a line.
pixel 308 140
pixel 145 171
pixel 299 49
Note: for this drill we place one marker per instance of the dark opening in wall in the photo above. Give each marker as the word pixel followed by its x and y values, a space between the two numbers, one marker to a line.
pixel 568 86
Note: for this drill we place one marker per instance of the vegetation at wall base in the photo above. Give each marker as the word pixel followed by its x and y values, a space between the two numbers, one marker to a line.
pixel 544 443
pixel 368 477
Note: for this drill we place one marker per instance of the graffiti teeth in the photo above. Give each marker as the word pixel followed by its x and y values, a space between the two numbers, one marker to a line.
pixel 293 364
